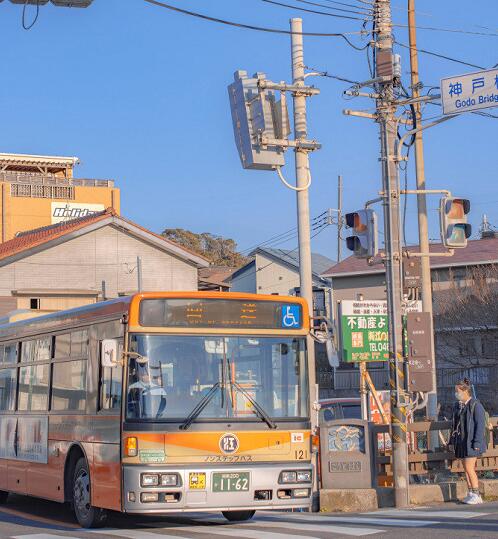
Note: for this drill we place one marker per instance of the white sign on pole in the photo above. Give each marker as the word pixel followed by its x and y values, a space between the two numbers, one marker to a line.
pixel 473 91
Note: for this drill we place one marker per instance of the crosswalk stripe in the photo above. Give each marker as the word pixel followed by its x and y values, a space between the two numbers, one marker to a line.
pixel 239 532
pixel 401 523
pixel 136 534
pixel 354 532
pixel 430 514
pixel 43 536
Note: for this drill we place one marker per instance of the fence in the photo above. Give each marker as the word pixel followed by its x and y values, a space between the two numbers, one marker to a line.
pixel 425 462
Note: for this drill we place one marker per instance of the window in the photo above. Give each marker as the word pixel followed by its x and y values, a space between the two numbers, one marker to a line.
pixel 10 355
pixel 38 350
pixel 33 387
pixel 7 389
pixel 110 388
pixel 34 303
pixel 27 351
pixel 69 385
pixel 73 344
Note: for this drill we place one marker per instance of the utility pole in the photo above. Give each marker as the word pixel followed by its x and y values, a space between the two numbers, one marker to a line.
pixel 339 218
pixel 139 273
pixel 386 109
pixel 423 228
pixel 303 213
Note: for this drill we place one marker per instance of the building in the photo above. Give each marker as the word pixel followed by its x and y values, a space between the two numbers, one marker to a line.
pixel 85 260
pixel 215 278
pixel 276 271
pixel 465 305
pixel 38 190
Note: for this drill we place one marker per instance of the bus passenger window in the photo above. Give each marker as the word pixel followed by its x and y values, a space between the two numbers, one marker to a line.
pixel 69 385
pixel 33 387
pixel 7 389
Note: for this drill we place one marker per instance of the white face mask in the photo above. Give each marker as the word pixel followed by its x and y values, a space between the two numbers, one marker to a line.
pixel 460 396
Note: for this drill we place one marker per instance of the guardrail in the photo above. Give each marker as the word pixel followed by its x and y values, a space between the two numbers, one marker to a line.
pixel 424 461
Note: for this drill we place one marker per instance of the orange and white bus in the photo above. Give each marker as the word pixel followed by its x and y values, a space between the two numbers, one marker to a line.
pixel 159 402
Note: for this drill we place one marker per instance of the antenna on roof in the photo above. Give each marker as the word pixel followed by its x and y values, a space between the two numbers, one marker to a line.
pixel 486 229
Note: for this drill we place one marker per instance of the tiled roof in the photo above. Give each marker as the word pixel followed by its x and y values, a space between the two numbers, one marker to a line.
pixel 39 236
pixel 477 252
pixel 319 262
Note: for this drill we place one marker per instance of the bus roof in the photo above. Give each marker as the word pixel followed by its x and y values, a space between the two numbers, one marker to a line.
pixel 115 308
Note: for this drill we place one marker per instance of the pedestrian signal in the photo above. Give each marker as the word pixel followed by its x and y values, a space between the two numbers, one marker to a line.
pixel 363 241
pixel 453 217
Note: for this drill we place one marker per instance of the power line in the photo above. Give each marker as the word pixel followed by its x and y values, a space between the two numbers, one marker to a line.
pixel 438 55
pixel 314 11
pixel 330 76
pixel 250 26
pixel 288 235
pixel 354 11
pixel 451 30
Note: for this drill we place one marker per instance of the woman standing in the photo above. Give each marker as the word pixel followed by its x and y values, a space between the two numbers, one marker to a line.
pixel 468 438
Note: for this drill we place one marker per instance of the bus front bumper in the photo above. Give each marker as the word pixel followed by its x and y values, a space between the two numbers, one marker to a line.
pixel 199 488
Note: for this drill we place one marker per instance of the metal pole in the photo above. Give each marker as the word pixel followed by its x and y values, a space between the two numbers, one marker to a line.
pixel 139 273
pixel 423 228
pixel 363 390
pixel 386 109
pixel 303 213
pixel 339 218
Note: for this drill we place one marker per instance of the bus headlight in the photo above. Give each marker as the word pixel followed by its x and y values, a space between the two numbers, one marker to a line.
pixel 149 480
pixel 169 480
pixel 287 477
pixel 304 476
pixel 295 476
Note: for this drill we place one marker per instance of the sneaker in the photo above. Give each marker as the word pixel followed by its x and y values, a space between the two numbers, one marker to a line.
pixel 474 499
pixel 467 498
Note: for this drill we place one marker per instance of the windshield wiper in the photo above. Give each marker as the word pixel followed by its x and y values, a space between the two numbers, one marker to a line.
pixel 258 410
pixel 194 414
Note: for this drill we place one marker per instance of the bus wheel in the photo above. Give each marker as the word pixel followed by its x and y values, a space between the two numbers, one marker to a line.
pixel 86 515
pixel 3 496
pixel 234 516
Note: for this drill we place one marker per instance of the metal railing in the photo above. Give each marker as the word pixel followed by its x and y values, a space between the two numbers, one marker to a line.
pixel 52 179
pixel 421 460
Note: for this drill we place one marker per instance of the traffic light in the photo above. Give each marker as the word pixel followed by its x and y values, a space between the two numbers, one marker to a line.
pixel 363 241
pixel 453 217
pixel 257 112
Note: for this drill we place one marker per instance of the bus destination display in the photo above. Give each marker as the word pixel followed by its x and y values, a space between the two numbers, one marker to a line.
pixel 220 313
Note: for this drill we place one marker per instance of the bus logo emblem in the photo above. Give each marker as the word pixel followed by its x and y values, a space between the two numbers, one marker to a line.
pixel 229 443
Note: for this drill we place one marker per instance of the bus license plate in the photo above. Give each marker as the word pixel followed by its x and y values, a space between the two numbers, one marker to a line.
pixel 230 481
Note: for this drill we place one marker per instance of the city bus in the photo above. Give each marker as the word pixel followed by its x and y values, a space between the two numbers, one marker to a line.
pixel 159 402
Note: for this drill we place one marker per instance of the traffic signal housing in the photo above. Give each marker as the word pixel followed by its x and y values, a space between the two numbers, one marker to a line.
pixel 363 241
pixel 453 218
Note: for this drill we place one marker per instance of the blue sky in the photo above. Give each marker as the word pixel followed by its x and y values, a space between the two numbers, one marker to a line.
pixel 139 94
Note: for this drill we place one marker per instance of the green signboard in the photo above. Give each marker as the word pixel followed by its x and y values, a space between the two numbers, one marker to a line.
pixel 364 330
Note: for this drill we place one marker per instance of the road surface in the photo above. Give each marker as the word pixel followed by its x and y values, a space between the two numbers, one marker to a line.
pixel 29 518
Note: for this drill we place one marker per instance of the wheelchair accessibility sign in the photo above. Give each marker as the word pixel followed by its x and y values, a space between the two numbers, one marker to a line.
pixel 291 316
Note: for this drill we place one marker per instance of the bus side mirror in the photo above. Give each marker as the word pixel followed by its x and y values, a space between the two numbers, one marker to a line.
pixel 109 353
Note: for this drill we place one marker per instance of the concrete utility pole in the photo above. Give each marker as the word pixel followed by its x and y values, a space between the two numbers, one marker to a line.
pixel 302 177
pixel 303 214
pixel 423 228
pixel 386 109
pixel 339 218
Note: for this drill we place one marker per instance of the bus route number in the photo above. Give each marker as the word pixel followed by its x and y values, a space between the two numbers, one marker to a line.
pixel 300 454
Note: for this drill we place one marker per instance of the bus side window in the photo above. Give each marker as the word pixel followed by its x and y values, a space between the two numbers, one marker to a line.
pixel 110 387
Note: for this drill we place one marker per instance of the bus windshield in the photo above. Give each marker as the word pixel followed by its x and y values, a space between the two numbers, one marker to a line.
pixel 224 377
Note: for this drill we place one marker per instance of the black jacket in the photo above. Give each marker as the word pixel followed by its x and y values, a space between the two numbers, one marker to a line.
pixel 473 426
